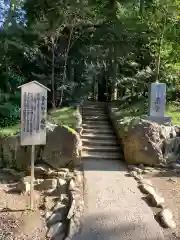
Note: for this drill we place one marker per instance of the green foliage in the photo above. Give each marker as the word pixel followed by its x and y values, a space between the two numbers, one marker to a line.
pixel 70 129
pixel 9 130
pixel 173 111
pixel 129 114
pixel 64 116
pixel 9 114
pixel 120 45
pixel 10 99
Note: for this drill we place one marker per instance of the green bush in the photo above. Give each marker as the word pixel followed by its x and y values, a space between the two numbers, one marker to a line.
pixel 10 98
pixel 9 114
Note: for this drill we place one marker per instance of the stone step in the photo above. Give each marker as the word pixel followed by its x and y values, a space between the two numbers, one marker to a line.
pixel 98 130
pixel 95 118
pixel 93 108
pixel 97 123
pixel 99 142
pixel 94 103
pixel 93 113
pixel 98 148
pixel 98 136
pixel 101 155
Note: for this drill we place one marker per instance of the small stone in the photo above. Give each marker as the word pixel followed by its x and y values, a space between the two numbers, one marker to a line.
pixel 72 185
pixel 166 218
pixel 134 169
pixel 145 171
pixel 175 165
pixel 61 186
pixel 138 170
pixel 61 175
pixel 55 217
pixel 23 187
pixel 48 215
pixel 26 179
pixel 73 229
pixel 150 169
pixel 61 182
pixel 72 209
pixel 47 184
pixel 78 179
pixel 64 197
pixel 60 236
pixel 161 165
pixel 147 189
pixel 131 167
pixel 142 166
pixel 136 175
pixel 66 170
pixel 156 200
pixel 55 230
pixel 38 181
pixel 146 181
pixel 50 191
pixel 152 195
pixel 60 207
pixel 41 169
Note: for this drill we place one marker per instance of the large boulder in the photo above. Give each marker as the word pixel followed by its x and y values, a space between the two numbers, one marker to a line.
pixel 171 149
pixel 62 147
pixel 143 142
pixel 13 155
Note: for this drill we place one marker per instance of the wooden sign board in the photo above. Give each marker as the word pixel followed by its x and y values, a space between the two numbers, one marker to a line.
pixel 33 113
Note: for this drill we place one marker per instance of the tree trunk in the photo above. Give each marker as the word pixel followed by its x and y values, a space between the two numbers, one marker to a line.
pixel 52 77
pixel 141 6
pixel 65 63
pixel 159 50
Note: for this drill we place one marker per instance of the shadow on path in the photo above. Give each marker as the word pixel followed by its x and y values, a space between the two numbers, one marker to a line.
pixel 93 231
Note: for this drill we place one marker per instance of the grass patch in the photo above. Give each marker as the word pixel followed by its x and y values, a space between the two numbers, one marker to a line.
pixel 137 109
pixel 9 130
pixel 140 110
pixel 173 110
pixel 63 116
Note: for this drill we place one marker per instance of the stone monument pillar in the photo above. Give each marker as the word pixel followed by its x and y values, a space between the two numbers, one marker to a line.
pixel 157 103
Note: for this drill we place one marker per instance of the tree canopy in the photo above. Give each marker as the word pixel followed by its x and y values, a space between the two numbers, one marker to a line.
pixel 88 48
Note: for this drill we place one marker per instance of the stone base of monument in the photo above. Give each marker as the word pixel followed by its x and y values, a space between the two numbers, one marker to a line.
pixel 160 120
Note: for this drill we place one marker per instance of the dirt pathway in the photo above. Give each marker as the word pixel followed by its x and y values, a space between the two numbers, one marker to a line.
pixel 114 208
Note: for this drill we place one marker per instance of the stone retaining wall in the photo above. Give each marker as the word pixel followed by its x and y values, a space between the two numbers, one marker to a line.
pixel 145 142
pixel 62 148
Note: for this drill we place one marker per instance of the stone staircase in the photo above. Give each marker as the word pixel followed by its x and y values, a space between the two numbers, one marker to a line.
pixel 99 139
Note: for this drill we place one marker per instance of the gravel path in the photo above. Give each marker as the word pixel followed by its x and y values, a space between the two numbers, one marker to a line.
pixel 16 223
pixel 114 208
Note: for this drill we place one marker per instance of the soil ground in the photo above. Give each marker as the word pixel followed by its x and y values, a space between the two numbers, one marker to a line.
pixel 16 221
pixel 167 184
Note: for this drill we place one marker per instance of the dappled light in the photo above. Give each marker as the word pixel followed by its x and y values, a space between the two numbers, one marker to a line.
pixel 89 119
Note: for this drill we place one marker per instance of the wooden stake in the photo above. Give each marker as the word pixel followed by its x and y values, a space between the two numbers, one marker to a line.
pixel 32 178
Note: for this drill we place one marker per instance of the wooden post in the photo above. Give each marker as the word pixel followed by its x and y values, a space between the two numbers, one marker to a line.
pixel 32 178
pixel 33 121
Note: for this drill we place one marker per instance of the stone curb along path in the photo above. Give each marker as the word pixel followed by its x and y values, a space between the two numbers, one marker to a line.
pixel 76 193
pixel 63 221
pixel 164 216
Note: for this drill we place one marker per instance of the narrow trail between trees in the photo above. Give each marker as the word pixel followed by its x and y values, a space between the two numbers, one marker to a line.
pixel 114 209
